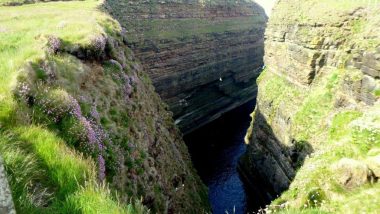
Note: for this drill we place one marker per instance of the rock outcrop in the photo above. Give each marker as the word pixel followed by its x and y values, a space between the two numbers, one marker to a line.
pixel 318 103
pixel 202 56
pixel 6 202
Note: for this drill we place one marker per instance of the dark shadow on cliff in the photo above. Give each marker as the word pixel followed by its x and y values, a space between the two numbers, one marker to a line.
pixel 203 59
pixel 215 150
pixel 270 163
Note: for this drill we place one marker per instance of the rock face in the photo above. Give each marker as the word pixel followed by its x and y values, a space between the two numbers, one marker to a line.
pixel 318 98
pixel 6 202
pixel 202 56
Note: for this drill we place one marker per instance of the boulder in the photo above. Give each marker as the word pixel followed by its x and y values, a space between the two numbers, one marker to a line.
pixel 351 173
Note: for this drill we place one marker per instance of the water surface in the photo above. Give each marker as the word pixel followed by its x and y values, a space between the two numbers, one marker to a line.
pixel 215 150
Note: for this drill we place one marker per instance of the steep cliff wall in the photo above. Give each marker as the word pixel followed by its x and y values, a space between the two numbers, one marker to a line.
pixel 81 128
pixel 315 131
pixel 203 56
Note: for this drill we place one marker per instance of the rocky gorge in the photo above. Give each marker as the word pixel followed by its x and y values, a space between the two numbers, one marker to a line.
pixel 96 97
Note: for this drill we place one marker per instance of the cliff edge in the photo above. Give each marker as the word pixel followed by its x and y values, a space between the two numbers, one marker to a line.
pixel 81 128
pixel 314 140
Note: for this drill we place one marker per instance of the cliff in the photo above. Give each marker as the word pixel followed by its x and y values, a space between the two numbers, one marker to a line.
pixel 81 128
pixel 314 140
pixel 202 56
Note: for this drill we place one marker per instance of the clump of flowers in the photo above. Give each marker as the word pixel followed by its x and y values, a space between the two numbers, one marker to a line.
pixel 48 69
pixel 53 44
pixel 98 45
pixel 23 89
pixel 102 168
pixel 59 106
pixel 94 113
pixel 93 136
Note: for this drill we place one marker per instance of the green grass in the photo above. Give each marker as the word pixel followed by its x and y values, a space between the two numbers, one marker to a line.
pixel 325 113
pixel 317 10
pixel 93 199
pixel 377 92
pixel 48 177
pixel 279 91
pixel 334 134
pixel 66 169
pixel 45 174
pixel 341 124
pixel 315 108
pixel 20 2
pixel 24 37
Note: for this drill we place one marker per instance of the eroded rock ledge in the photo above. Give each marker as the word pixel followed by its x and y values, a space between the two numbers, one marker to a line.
pixel 203 58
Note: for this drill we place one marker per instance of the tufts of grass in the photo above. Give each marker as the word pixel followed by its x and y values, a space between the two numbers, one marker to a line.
pixel 92 198
pixel 333 133
pixel 66 169
pixel 309 120
pixel 46 174
pixel 341 124
pixel 24 169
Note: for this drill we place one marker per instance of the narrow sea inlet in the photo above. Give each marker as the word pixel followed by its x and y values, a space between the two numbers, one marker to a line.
pixel 215 151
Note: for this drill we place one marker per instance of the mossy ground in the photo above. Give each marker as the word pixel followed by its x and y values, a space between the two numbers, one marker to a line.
pixel 334 134
pixel 318 10
pixel 325 114
pixel 46 174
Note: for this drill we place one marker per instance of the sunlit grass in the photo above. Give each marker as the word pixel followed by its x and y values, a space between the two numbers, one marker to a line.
pixel 46 176
pixel 333 133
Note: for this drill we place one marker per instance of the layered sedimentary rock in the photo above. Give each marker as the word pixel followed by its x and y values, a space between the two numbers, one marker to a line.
pixel 318 106
pixel 203 56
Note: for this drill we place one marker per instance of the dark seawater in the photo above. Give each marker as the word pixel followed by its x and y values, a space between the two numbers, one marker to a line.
pixel 215 150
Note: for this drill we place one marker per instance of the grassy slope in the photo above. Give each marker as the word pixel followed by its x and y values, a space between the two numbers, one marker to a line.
pixel 46 176
pixel 335 133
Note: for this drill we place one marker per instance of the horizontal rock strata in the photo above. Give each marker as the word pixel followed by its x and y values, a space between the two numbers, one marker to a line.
pixel 203 59
pixel 321 62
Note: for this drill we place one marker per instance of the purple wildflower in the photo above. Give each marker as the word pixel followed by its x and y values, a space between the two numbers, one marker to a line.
pixel 102 168
pixel 54 44
pixel 99 43
pixel 75 108
pixel 94 113
pixel 90 134
pixel 23 89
